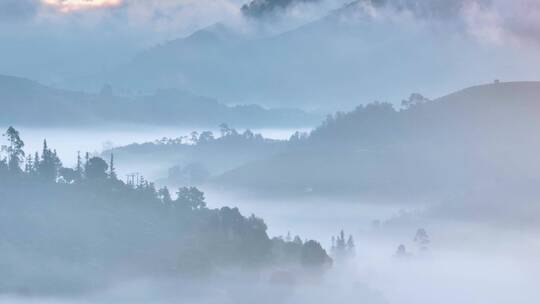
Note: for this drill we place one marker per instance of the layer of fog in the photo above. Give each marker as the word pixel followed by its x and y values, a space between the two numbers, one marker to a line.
pixel 467 262
pixel 68 142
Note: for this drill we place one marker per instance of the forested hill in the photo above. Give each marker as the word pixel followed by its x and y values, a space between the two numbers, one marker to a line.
pixel 68 230
pixel 468 141
pixel 25 102
pixel 193 160
pixel 475 114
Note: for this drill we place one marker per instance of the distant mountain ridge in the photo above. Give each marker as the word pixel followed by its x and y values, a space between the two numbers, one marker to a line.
pixel 25 102
pixel 331 63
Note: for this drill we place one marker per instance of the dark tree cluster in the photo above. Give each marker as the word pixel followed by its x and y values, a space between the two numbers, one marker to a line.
pixel 101 227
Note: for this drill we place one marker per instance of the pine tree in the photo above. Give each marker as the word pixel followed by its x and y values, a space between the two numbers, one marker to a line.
pixel 45 147
pixel 342 248
pixel 56 161
pixel 112 169
pixel 36 163
pixel 29 165
pixel 340 242
pixel 350 244
pixel 14 150
pixel 78 167
pixel 50 163
pixel 3 166
pixel 288 238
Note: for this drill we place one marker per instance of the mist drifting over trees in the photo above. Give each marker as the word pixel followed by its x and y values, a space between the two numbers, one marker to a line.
pixel 269 151
pixel 118 224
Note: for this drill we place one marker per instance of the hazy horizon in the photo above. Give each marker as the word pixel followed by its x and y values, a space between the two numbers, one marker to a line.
pixel 269 151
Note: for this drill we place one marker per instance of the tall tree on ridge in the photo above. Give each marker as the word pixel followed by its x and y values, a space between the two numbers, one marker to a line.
pixel 112 169
pixel 14 150
pixel 79 166
pixel 50 164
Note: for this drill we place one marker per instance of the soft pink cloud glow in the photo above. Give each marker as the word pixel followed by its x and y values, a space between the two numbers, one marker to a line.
pixel 74 5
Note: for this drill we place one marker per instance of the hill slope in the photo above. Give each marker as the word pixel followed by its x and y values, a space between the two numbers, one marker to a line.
pixel 482 139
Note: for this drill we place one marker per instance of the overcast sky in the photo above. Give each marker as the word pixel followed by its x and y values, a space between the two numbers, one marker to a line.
pixel 53 39
pixel 493 19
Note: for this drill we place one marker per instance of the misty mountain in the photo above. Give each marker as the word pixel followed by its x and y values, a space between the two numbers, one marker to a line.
pixel 352 55
pixel 269 151
pixel 477 143
pixel 25 102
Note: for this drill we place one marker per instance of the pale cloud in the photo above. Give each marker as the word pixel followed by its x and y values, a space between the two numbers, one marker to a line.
pixel 500 22
pixel 180 16
pixel 74 5
pixel 153 20
pixel 124 27
pixel 497 21
pixel 492 21
pixel 516 21
pixel 484 24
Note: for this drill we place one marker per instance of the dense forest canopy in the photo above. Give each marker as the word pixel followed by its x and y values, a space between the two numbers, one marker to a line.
pixel 74 229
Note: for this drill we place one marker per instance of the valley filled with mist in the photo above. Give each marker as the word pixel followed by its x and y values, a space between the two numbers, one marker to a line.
pixel 269 151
